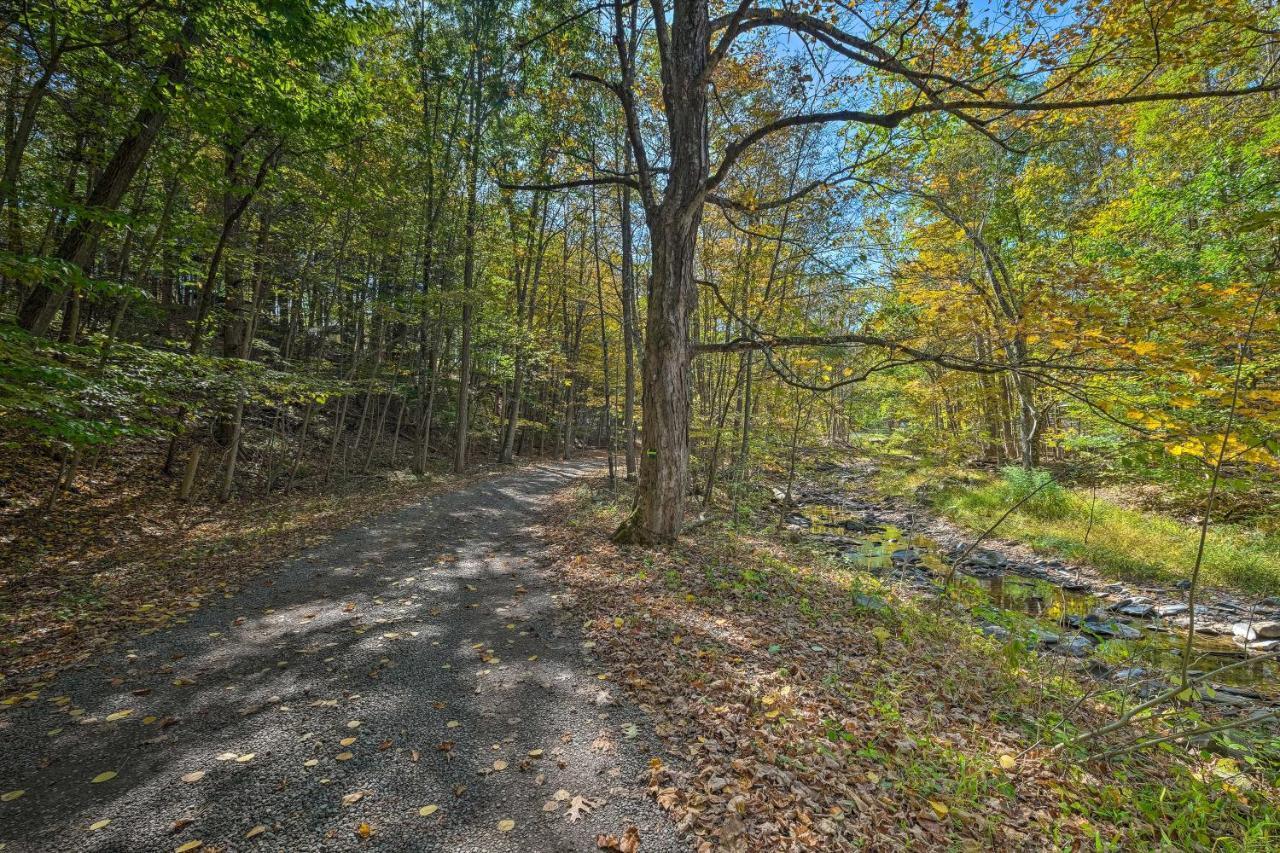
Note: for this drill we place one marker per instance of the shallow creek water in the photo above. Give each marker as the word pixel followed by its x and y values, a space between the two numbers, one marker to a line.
pixel 1052 606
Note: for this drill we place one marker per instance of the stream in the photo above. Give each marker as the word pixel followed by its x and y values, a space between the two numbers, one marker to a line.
pixel 1128 634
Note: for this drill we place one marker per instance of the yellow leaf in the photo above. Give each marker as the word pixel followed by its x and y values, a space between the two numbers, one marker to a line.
pixel 499 765
pixel 194 776
pixel 119 715
pixel 99 824
pixel 248 756
pixel 344 756
pixel 256 831
pixel 364 830
pixel 189 846
pixel 347 741
pixel 10 796
pixel 506 825
pixel 535 753
pixel 105 776
pixel 452 724
pixel 428 811
pixel 940 809
pixel 1008 762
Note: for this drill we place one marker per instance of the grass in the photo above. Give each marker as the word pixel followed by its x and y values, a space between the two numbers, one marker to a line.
pixel 1126 543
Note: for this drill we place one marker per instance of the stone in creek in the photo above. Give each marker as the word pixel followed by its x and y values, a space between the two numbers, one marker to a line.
pixel 1138 610
pixel 1264 645
pixel 1243 692
pixel 996 632
pixel 1167 610
pixel 1223 698
pixel 989 559
pixel 905 555
pixel 1047 638
pixel 1075 646
pixel 1131 674
pixel 798 520
pixel 1109 628
pixel 1256 630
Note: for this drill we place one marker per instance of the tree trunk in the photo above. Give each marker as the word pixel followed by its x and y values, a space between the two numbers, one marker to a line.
pixel 673 232
pixel 628 329
pixel 237 428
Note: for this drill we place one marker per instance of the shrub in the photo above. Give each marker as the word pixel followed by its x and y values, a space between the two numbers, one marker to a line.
pixel 1051 501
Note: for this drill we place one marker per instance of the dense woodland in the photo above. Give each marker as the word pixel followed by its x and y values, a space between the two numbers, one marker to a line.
pixel 346 234
pixel 257 248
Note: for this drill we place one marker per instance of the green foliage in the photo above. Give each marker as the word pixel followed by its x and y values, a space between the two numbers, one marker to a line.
pixel 1047 499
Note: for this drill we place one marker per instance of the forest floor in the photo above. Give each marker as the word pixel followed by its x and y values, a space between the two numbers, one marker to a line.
pixel 480 668
pixel 414 681
pixel 817 707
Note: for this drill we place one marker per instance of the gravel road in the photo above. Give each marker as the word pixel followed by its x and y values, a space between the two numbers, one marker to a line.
pixel 422 659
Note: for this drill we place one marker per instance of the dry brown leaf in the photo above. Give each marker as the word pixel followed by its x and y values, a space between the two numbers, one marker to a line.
pixel 581 806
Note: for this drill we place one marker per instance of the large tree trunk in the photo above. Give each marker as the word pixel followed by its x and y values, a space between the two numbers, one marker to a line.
pixel 673 230
pixel 664 460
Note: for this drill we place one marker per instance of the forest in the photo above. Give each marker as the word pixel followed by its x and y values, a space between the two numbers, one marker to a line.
pixel 619 425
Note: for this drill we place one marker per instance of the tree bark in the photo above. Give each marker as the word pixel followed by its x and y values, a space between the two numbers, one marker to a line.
pixel 673 229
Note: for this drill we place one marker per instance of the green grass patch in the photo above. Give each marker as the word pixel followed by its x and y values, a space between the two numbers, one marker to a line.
pixel 1125 543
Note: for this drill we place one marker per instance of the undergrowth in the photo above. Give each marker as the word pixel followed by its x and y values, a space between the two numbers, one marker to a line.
pixel 771 668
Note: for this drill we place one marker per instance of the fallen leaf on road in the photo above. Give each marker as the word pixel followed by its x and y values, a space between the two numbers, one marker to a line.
pixel 193 776
pixel 256 831
pixel 581 806
pixel 118 715
pixel 105 776
pixel 10 796
pixel 99 824
pixel 364 830
pixel 353 798
pixel 344 756
pixel 629 843
pixel 499 765
pixel 506 825
pixel 428 811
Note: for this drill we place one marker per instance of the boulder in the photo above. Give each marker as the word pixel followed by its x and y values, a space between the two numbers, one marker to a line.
pixel 1164 611
pixel 1256 630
